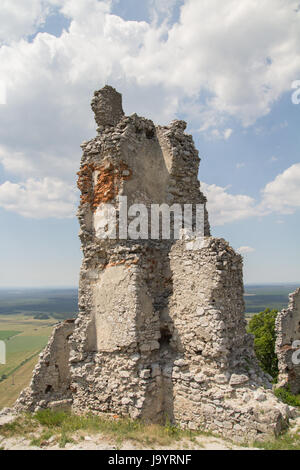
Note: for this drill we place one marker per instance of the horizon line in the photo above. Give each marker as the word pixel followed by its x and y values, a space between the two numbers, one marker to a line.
pixel 285 283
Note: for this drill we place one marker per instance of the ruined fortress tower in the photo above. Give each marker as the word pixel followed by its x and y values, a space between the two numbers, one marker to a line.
pixel 161 330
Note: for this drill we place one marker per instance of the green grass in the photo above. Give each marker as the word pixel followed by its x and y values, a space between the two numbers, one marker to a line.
pixel 24 344
pixel 43 438
pixel 284 442
pixel 65 439
pixel 67 427
pixel 6 335
pixel 19 349
pixel 287 397
pixel 64 427
pixel 24 338
pixel 118 428
pixel 22 426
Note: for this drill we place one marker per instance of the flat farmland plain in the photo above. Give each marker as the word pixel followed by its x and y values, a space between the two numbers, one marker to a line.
pixel 25 338
pixel 27 317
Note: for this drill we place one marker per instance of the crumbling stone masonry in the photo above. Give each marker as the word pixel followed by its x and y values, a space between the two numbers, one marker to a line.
pixel 287 336
pixel 50 384
pixel 161 329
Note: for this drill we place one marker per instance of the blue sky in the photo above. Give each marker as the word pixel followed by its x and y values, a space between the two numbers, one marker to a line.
pixel 226 68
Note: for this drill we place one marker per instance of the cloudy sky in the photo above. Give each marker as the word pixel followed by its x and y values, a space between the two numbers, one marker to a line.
pixel 230 68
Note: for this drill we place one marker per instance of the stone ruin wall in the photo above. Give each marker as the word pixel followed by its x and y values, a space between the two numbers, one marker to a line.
pixel 287 333
pixel 50 384
pixel 217 383
pixel 161 329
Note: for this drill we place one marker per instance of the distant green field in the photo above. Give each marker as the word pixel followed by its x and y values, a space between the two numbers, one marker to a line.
pixel 260 297
pixel 25 343
pixel 4 335
pixel 39 303
pixel 24 337
pixel 20 348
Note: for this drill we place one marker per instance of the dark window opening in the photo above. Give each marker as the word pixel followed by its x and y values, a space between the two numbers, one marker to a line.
pixel 150 133
pixel 165 336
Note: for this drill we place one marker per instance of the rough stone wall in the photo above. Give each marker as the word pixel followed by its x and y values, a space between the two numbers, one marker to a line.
pixel 287 332
pixel 161 329
pixel 214 377
pixel 50 384
pixel 107 107
pixel 124 284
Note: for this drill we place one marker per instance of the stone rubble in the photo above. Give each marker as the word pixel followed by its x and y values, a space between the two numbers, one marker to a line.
pixel 161 330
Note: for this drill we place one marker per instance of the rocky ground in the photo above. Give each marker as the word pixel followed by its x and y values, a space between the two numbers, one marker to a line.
pixel 97 441
pixel 100 442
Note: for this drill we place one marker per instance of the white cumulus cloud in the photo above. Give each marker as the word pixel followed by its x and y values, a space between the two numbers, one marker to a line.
pixel 245 249
pixel 204 66
pixel 19 18
pixel 283 193
pixel 210 51
pixel 224 207
pixel 39 198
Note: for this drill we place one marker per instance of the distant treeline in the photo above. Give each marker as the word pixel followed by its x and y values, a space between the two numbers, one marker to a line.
pixel 268 296
pixel 40 303
pixel 63 303
pixel 258 303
